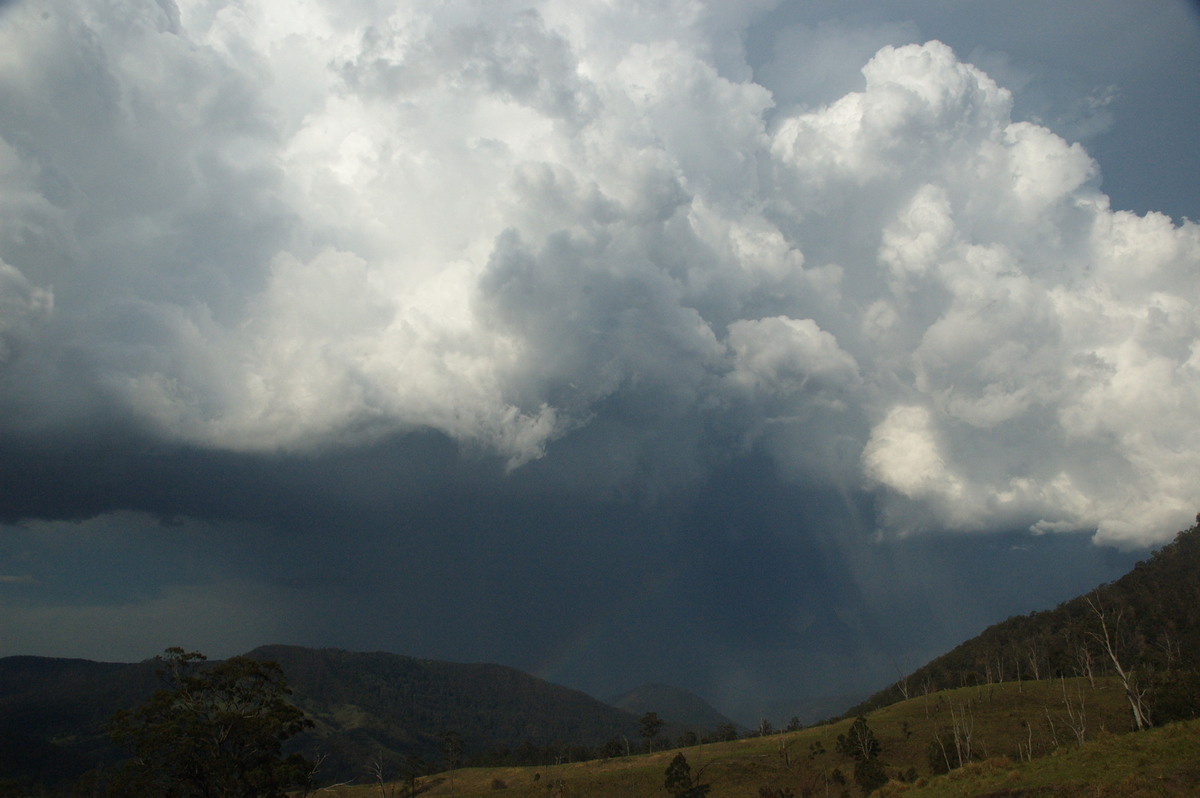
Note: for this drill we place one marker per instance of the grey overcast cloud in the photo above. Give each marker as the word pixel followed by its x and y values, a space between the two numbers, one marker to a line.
pixel 763 348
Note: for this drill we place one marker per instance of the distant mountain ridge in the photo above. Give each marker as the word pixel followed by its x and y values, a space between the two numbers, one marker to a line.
pixel 401 706
pixel 366 706
pixel 673 704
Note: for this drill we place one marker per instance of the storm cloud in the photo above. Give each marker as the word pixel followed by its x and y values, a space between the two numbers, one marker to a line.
pixel 608 252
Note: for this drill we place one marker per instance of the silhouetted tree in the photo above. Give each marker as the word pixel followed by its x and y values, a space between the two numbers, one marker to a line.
pixel 613 748
pixel 650 724
pixel 452 749
pixel 679 782
pixel 413 768
pixel 726 732
pixel 869 775
pixel 211 731
pixel 861 745
pixel 859 742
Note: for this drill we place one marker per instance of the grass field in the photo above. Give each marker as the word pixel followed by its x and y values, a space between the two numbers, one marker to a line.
pixel 1023 739
pixel 1158 762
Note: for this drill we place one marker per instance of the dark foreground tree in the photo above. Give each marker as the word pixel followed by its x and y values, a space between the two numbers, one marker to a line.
pixel 725 733
pixel 211 731
pixel 651 724
pixel 869 775
pixel 861 745
pixel 679 782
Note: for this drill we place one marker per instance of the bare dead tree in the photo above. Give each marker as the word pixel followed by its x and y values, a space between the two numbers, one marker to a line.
pixel 1085 663
pixel 1053 730
pixel 937 738
pixel 902 681
pixel 1025 751
pixel 1171 650
pixel 963 727
pixel 310 780
pixel 376 771
pixel 1035 661
pixel 1076 718
pixel 1107 637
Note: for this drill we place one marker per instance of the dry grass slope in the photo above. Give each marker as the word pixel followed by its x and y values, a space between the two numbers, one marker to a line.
pixel 1024 740
pixel 1158 762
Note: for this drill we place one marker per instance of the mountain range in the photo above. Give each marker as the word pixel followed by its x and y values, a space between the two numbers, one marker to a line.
pixel 392 712
pixel 369 709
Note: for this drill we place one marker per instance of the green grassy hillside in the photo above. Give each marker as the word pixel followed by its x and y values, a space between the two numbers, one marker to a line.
pixel 1002 729
pixel 1156 762
pixel 1153 618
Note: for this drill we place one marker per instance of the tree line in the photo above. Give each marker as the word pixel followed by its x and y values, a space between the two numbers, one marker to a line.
pixel 221 729
pixel 1143 629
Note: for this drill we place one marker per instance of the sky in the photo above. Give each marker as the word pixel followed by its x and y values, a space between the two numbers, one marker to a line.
pixel 767 349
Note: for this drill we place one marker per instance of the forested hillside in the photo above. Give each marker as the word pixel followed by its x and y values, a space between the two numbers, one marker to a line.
pixel 396 708
pixel 53 712
pixel 375 710
pixel 1145 625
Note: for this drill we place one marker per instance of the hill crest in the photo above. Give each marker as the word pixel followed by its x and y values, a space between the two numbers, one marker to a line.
pixel 365 705
pixel 1150 617
pixel 674 705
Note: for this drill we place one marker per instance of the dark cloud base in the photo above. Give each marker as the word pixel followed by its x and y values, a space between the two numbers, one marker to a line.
pixel 747 588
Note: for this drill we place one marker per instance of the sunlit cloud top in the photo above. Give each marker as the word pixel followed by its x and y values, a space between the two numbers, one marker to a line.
pixel 293 228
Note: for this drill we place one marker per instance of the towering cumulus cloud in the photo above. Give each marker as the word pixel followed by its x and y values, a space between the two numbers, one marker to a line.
pixel 294 228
